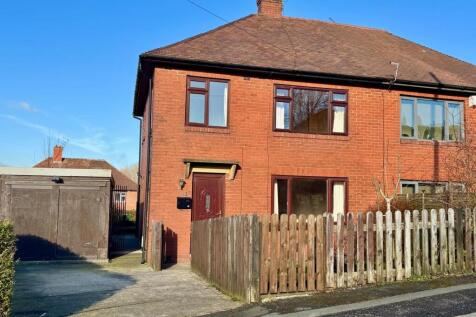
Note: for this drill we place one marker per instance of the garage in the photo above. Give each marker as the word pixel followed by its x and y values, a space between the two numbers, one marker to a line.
pixel 57 214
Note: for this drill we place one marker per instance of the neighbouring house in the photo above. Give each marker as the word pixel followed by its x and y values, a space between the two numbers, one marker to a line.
pixel 273 114
pixel 124 189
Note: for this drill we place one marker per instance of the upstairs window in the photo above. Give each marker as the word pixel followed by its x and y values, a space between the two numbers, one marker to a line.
pixel 307 110
pixel 207 102
pixel 428 119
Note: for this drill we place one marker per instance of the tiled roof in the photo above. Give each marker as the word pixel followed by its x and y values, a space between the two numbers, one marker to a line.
pixel 119 178
pixel 321 47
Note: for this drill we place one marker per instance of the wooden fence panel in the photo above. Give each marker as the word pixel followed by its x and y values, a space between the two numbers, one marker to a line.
pixel 340 251
pixel 350 249
pixel 468 245
pixel 311 253
pixel 360 249
pixel 379 247
pixel 283 254
pixel 443 242
pixel 459 240
pixel 292 283
pixel 330 229
pixel 451 241
pixel 273 266
pixel 265 255
pixel 389 246
pixel 370 246
pixel 434 241
pixel 398 246
pixel 320 253
pixel 425 246
pixel 407 245
pixel 302 254
pixel 416 243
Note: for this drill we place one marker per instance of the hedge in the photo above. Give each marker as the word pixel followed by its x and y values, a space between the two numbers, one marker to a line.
pixel 7 268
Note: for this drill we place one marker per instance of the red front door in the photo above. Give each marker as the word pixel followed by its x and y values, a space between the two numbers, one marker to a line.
pixel 207 196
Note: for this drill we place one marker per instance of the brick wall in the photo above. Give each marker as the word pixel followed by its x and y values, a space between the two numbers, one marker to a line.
pixel 374 120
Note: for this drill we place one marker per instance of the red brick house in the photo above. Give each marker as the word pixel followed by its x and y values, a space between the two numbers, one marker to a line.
pixel 128 192
pixel 272 114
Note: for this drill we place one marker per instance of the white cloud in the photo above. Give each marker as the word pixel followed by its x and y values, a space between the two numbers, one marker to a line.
pixel 23 105
pixel 94 143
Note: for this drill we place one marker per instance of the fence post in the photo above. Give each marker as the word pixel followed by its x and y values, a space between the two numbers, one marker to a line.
pixel 253 293
pixel 157 245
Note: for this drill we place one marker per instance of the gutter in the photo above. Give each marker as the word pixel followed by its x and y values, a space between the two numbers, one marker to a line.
pixel 147 63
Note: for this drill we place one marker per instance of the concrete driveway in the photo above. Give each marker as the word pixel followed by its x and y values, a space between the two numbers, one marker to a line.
pixel 113 290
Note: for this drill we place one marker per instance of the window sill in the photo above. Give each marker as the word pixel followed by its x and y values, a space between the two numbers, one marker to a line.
pixel 333 137
pixel 428 142
pixel 207 130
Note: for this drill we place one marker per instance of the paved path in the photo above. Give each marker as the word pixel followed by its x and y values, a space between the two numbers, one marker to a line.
pixel 112 290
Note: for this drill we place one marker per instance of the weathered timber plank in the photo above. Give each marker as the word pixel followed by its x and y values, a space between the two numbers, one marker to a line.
pixel 311 253
pixel 274 247
pixel 416 243
pixel 283 254
pixel 350 249
pixel 370 246
pixel 443 242
pixel 302 254
pixel 379 246
pixel 398 246
pixel 425 245
pixel 360 249
pixel 451 241
pixel 292 283
pixel 340 250
pixel 265 256
pixel 434 241
pixel 320 253
pixel 330 276
pixel 389 246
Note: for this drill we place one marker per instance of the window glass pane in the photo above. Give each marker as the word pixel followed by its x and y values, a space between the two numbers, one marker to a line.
pixel 454 121
pixel 309 196
pixel 338 199
pixel 338 123
pixel 280 196
pixel 426 188
pixel 197 84
pixel 196 109
pixel 430 122
pixel 408 189
pixel 282 92
pixel 339 97
pixel 282 115
pixel 217 104
pixel 406 118
pixel 310 110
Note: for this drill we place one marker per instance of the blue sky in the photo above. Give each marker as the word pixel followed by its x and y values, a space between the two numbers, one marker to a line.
pixel 67 68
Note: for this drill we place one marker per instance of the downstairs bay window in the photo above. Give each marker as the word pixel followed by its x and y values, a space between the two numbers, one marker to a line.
pixel 309 110
pixel 309 195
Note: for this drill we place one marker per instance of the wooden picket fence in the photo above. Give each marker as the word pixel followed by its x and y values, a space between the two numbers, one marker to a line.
pixel 302 254
pixel 251 256
pixel 225 251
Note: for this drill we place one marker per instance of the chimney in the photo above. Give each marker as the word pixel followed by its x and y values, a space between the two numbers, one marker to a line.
pixel 57 154
pixel 272 8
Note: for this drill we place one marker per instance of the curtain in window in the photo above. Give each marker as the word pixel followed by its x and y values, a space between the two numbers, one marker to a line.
pixel 338 199
pixel 338 125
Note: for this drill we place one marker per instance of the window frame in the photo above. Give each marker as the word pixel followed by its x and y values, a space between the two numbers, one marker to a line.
pixel 329 184
pixel 418 183
pixel 205 91
pixel 446 121
pixel 330 115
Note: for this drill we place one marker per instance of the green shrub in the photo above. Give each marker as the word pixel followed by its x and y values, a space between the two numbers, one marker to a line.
pixel 7 268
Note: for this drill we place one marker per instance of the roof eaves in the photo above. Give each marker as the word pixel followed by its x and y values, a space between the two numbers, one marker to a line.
pixel 298 74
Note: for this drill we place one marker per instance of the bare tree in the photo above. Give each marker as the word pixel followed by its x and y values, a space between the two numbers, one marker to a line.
pixel 461 169
pixel 131 171
pixel 387 191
